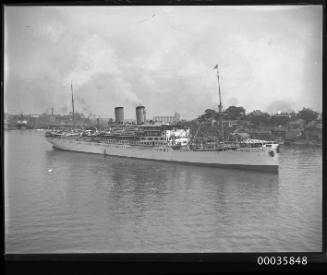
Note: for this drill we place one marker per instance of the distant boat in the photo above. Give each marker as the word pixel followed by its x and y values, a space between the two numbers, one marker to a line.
pixel 21 124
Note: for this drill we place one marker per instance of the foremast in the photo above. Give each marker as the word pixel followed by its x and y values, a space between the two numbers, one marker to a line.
pixel 220 108
pixel 73 109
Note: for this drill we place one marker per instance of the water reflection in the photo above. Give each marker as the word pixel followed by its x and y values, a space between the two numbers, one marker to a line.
pixel 208 197
pixel 148 182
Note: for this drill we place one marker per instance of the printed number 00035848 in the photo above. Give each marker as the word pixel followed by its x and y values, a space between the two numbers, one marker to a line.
pixel 279 260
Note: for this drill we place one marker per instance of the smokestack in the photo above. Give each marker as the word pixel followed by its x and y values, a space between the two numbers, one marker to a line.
pixel 119 114
pixel 140 115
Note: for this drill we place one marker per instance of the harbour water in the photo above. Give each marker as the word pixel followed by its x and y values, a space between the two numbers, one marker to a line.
pixel 66 202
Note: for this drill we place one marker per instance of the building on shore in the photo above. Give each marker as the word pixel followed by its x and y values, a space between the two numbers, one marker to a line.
pixel 167 119
pixel 230 123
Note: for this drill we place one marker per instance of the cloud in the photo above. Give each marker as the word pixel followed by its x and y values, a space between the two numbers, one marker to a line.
pixel 165 62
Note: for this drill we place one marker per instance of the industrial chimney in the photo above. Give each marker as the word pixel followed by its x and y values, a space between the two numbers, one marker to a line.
pixel 140 115
pixel 119 114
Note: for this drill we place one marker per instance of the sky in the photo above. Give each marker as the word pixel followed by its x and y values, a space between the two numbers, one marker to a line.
pixel 162 57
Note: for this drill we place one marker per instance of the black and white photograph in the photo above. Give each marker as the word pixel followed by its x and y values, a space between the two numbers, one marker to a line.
pixel 163 129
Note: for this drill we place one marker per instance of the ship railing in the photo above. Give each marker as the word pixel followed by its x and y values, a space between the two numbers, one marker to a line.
pixel 225 147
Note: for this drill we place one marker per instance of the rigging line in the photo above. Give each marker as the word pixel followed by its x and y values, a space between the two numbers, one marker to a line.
pixel 71 86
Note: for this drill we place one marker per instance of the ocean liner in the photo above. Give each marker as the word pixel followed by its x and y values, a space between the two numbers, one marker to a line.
pixel 149 141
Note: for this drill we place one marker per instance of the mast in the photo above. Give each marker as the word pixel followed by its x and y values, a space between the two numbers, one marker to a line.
pixel 71 86
pixel 220 107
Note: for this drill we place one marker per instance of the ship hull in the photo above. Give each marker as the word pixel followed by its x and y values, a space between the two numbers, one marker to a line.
pixel 258 159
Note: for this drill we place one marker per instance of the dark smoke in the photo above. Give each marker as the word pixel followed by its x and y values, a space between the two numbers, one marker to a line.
pixel 82 105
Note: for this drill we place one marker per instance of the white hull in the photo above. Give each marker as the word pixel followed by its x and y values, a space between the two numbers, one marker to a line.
pixel 247 158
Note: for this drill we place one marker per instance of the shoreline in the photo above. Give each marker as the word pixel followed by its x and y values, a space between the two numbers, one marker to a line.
pixel 299 143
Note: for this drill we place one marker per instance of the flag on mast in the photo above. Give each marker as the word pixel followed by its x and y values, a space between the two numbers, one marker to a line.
pixel 215 67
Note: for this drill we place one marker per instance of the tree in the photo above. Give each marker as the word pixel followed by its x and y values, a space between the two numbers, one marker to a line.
pixel 235 113
pixel 209 114
pixel 182 124
pixel 307 114
pixel 259 118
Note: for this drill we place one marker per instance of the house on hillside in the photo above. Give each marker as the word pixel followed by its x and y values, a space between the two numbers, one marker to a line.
pixel 230 123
